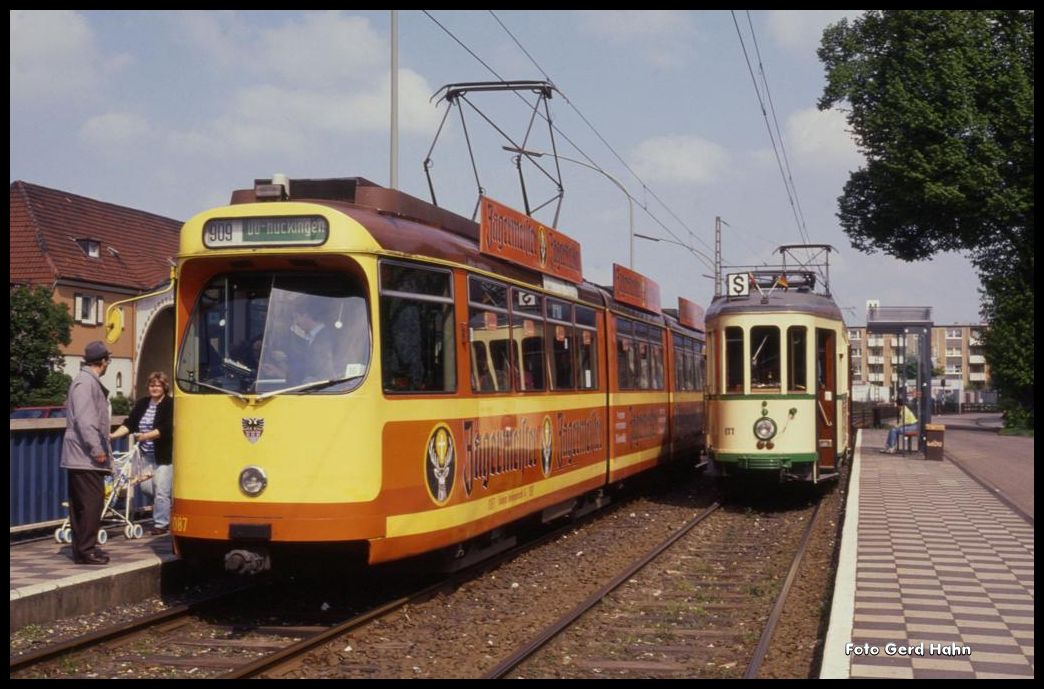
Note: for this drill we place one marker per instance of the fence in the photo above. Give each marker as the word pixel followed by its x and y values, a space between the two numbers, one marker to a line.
pixel 38 484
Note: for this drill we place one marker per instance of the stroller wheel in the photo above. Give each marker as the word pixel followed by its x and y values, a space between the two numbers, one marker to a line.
pixel 67 534
pixel 103 536
pixel 58 535
pixel 128 531
pixel 138 531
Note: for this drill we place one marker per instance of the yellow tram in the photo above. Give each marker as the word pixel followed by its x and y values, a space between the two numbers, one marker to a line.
pixel 778 373
pixel 361 369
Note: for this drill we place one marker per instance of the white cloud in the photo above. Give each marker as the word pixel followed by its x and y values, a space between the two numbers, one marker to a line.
pixel 116 132
pixel 216 34
pixel 680 160
pixel 319 49
pixel 800 31
pixel 324 74
pixel 664 38
pixel 280 120
pixel 55 57
pixel 325 48
pixel 821 137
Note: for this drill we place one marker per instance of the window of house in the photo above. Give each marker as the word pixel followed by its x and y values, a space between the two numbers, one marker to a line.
pixel 88 309
pixel 90 247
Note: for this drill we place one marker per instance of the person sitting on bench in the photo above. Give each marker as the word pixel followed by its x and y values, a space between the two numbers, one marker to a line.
pixel 908 426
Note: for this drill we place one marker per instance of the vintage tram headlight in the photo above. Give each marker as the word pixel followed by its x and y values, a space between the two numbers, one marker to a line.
pixel 765 428
pixel 252 481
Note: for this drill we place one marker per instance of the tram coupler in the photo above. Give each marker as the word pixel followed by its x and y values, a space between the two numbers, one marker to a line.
pixel 247 561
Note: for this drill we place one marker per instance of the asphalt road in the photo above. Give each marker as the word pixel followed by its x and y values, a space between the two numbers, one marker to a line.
pixel 1005 463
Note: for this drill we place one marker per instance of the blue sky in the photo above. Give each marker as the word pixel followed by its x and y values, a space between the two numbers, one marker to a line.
pixel 170 111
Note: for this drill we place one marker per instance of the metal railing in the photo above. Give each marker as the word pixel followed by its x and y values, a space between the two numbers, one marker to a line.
pixel 38 485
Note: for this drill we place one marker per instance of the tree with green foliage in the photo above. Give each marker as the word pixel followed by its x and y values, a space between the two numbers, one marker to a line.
pixel 941 104
pixel 38 326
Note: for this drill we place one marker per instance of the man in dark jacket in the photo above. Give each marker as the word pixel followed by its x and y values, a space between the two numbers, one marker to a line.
pixel 313 355
pixel 87 454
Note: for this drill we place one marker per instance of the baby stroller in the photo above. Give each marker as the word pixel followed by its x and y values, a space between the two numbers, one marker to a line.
pixel 128 470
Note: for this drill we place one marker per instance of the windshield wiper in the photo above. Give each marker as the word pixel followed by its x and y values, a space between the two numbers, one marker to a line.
pixel 212 387
pixel 311 387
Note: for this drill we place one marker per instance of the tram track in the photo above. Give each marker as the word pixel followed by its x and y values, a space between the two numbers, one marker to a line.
pixel 689 617
pixel 465 624
pixel 121 633
pixel 198 639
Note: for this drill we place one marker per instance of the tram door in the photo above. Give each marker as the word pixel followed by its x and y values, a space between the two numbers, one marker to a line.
pixel 826 399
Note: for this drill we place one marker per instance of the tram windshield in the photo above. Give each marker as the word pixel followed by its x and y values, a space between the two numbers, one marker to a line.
pixel 265 333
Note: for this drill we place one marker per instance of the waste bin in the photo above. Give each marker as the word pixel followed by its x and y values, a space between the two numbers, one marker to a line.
pixel 934 443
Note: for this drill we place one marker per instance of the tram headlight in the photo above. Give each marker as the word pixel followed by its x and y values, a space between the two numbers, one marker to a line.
pixel 252 481
pixel 765 428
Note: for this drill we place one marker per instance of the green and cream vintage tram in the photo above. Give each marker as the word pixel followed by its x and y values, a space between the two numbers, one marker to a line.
pixel 778 396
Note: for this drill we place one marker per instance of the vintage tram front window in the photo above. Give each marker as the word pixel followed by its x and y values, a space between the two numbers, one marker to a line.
pixel 764 358
pixel 797 358
pixel 734 359
pixel 256 333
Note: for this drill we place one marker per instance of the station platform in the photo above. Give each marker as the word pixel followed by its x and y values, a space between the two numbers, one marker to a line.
pixel 935 575
pixel 46 585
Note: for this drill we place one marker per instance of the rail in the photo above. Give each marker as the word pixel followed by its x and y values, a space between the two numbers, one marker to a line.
pixel 38 483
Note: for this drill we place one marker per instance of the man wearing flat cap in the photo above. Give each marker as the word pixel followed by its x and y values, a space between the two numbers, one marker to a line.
pixel 87 454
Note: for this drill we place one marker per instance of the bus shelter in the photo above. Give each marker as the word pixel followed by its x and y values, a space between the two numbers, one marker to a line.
pixel 908 324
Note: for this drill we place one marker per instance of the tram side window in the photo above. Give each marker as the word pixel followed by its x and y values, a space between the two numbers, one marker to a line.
pixel 562 339
pixel 678 347
pixel 626 364
pixel 527 330
pixel 641 335
pixel 587 348
pixel 482 378
pixel 418 351
pixel 699 367
pixel 492 356
pixel 656 358
pixel 734 359
pixel 797 358
pixel 685 372
pixel 764 358
pixel 688 373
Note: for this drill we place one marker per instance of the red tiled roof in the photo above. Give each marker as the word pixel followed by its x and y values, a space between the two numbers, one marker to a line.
pixel 45 224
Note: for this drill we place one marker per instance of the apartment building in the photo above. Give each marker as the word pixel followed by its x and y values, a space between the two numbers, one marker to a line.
pixel 958 361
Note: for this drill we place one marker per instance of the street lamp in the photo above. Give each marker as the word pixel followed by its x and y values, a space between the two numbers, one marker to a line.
pixel 630 201
pixel 695 252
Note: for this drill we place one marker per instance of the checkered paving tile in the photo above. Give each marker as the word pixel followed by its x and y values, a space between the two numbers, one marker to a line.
pixel 944 576
pixel 46 564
